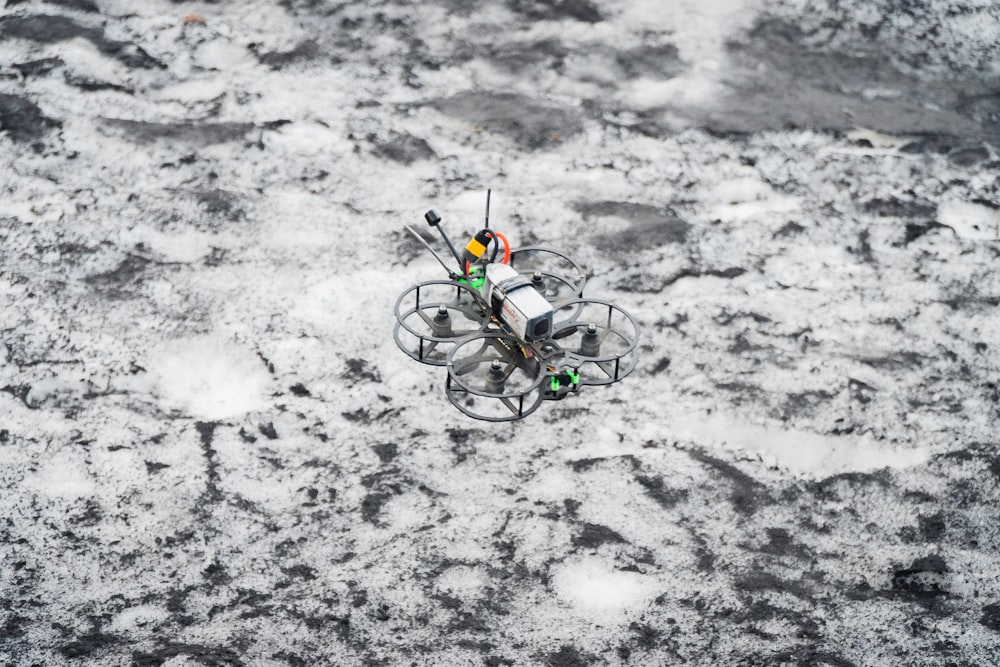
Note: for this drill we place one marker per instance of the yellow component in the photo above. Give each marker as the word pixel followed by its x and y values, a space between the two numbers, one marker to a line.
pixel 476 248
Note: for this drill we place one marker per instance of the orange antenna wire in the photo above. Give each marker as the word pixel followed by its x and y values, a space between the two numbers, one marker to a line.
pixel 506 246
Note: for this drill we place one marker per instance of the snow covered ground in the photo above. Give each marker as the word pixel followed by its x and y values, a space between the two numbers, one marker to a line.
pixel 212 452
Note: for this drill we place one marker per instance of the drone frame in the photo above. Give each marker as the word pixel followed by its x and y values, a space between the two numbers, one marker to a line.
pixel 493 374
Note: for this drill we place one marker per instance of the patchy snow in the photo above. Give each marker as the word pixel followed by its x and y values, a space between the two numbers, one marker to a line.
pixel 606 595
pixel 214 453
pixel 811 454
pixel 970 220
pixel 208 377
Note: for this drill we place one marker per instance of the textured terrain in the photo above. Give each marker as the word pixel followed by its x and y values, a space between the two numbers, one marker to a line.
pixel 212 453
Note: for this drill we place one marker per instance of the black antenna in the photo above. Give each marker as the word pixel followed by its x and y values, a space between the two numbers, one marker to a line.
pixel 428 246
pixel 488 208
pixel 434 220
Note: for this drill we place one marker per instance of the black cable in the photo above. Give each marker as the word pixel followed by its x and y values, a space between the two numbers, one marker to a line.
pixel 496 247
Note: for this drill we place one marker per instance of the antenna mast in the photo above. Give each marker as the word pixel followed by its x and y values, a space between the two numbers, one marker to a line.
pixel 488 208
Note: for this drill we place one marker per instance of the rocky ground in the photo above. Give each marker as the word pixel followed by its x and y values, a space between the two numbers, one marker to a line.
pixel 214 454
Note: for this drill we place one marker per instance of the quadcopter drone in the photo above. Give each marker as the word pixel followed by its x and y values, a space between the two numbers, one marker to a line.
pixel 512 329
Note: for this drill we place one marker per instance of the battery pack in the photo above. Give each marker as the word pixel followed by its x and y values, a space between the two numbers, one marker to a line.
pixel 516 303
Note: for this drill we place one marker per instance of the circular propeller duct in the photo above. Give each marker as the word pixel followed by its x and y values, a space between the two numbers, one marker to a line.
pixel 599 336
pixel 431 316
pixel 554 275
pixel 491 378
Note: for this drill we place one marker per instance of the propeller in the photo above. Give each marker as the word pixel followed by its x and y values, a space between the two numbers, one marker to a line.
pixel 491 378
pixel 554 275
pixel 598 335
pixel 431 316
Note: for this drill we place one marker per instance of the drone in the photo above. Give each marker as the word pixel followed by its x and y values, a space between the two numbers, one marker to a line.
pixel 512 329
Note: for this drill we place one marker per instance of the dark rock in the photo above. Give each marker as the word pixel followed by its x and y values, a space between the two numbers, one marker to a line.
pixel 549 54
pixel 861 392
pixel 88 84
pixel 805 402
pixel 20 392
pixel 360 416
pixel 747 493
pixel 760 580
pixel 781 543
pixel 300 571
pixel 554 10
pixel 790 79
pixel 934 143
pixel 593 535
pixel 121 277
pixel 643 283
pixel 206 433
pixel 645 637
pixel 22 120
pixel 216 575
pixel 923 580
pixel 967 157
pixel 915 230
pixel 463 450
pixel 579 465
pixel 497 661
pixel 897 361
pixel 991 617
pixel 359 370
pixel 79 5
pixel 39 67
pixel 650 227
pixel 371 505
pixel 154 467
pixel 656 489
pixel 299 389
pixel 864 247
pixel 88 645
pixel 304 52
pixel 661 61
pixel 789 229
pixel 404 148
pixel 531 124
pixel 205 655
pixel 932 527
pixel 221 203
pixel 806 655
pixel 900 208
pixel 196 133
pixel 468 622
pixel 46 29
pixel 387 451
pixel 661 365
pixel 569 656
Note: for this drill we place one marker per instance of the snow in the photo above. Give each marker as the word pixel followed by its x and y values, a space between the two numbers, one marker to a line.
pixel 970 220
pixel 810 454
pixel 208 377
pixel 214 452
pixel 604 594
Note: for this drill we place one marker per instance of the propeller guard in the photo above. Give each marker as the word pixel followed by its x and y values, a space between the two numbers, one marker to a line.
pixel 425 335
pixel 561 278
pixel 597 337
pixel 490 378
